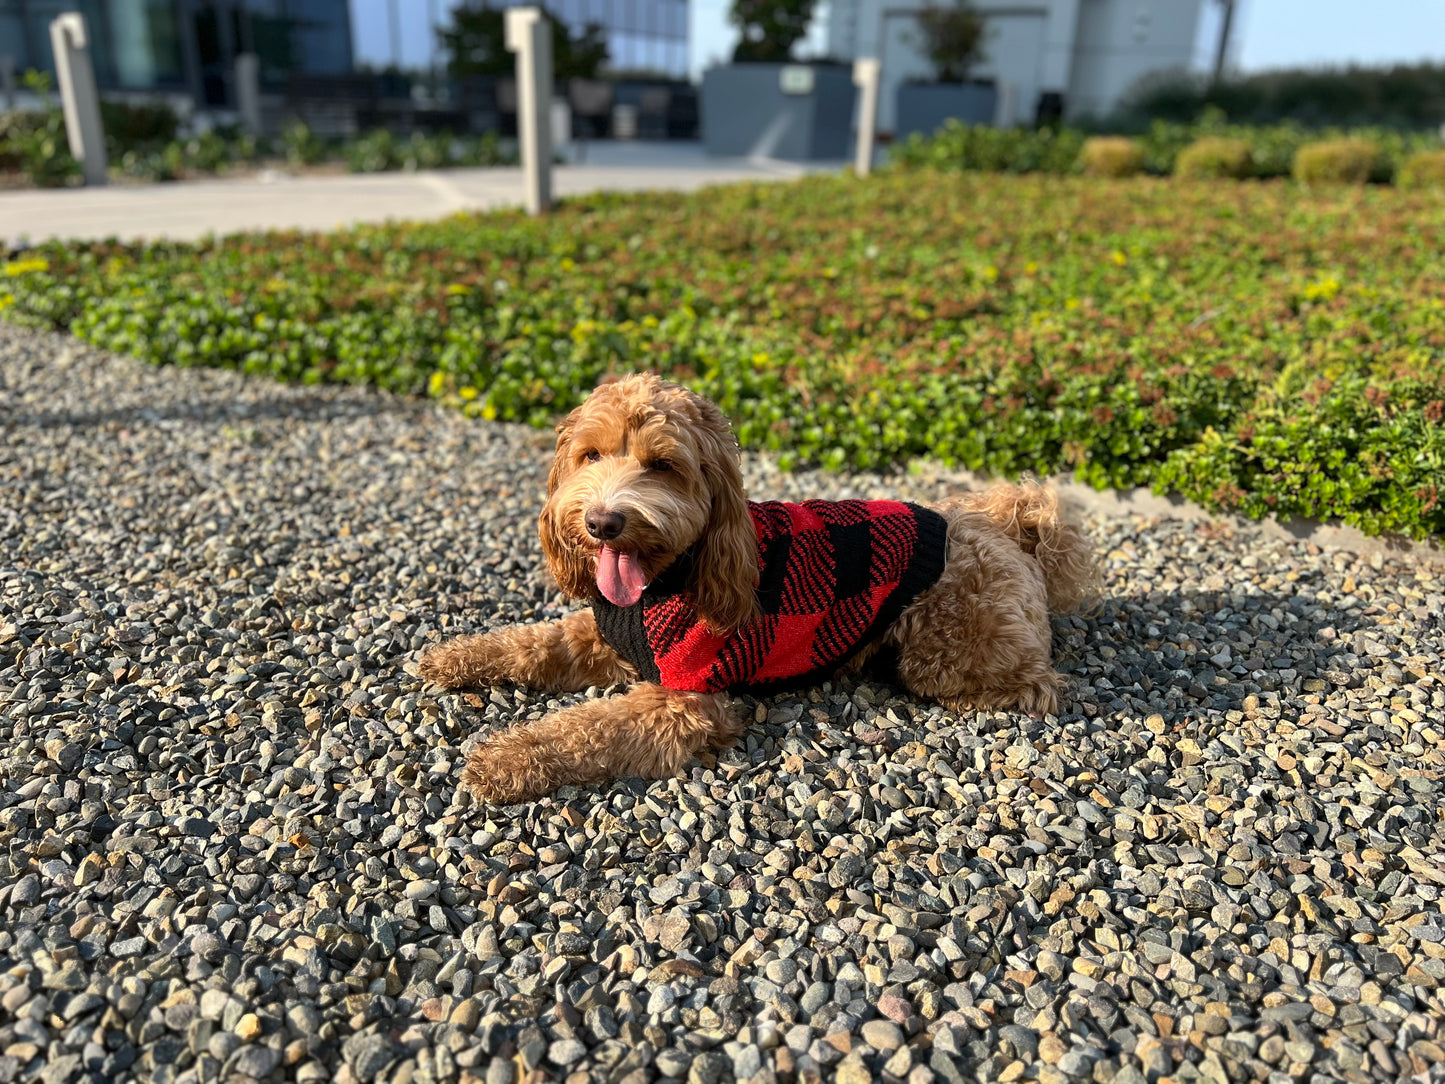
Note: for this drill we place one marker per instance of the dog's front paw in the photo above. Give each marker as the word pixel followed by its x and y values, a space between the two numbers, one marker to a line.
pixel 500 773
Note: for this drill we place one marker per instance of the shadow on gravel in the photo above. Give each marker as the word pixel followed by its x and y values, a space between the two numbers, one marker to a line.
pixel 1181 653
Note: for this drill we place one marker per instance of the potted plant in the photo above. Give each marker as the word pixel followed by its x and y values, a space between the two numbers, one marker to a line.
pixel 952 38
pixel 762 104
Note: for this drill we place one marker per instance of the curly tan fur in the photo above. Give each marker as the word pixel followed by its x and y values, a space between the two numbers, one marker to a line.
pixel 666 460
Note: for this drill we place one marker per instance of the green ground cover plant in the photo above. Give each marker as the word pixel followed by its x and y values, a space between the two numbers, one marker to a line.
pixel 1262 348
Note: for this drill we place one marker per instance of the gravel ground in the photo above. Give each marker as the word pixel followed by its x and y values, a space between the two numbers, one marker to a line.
pixel 231 846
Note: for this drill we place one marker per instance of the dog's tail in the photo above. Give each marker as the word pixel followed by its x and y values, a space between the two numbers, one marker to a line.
pixel 1030 514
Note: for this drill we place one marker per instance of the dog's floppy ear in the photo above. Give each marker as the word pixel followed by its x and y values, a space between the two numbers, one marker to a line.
pixel 725 567
pixel 568 567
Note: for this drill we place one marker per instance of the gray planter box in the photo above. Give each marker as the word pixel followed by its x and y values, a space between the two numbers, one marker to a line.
pixel 797 112
pixel 923 107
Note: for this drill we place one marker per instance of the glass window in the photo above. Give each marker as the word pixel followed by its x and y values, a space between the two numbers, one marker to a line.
pixel 321 36
pixel 146 43
pixel 12 38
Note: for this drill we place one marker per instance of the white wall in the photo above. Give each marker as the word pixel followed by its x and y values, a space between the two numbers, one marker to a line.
pixel 1121 40
pixel 1029 47
pixel 1092 50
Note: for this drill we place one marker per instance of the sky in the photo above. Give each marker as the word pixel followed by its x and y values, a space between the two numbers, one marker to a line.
pixel 1297 33
pixel 1267 33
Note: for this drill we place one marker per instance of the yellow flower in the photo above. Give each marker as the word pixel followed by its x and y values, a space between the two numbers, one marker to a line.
pixel 990 273
pixel 457 289
pixel 468 392
pixel 489 412
pixel 1322 290
pixel 436 384
pixel 1119 258
pixel 567 264
pixel 760 359
pixel 21 267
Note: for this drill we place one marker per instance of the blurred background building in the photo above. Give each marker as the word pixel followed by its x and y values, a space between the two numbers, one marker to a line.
pixel 189 46
pixel 1089 52
pixel 344 66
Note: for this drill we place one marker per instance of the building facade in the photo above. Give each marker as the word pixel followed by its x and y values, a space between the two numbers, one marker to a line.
pixel 187 47
pixel 642 35
pixel 1088 51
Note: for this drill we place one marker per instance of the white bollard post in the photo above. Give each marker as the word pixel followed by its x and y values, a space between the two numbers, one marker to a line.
pixel 529 35
pixel 865 75
pixel 1006 115
pixel 78 97
pixel 248 91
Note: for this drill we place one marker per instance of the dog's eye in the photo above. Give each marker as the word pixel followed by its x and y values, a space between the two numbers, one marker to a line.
pixel 660 465
pixel 593 456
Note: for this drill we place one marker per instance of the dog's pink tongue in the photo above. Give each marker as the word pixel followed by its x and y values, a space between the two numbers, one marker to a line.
pixel 619 576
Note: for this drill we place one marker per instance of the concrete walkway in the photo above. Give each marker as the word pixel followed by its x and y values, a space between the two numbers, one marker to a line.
pixel 192 209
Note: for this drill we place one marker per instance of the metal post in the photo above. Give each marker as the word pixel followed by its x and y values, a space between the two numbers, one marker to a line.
pixel 7 81
pixel 1221 53
pixel 529 35
pixel 865 75
pixel 248 91
pixel 78 97
pixel 1006 113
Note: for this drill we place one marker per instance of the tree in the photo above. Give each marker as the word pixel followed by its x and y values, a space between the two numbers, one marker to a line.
pixel 476 44
pixel 952 39
pixel 770 28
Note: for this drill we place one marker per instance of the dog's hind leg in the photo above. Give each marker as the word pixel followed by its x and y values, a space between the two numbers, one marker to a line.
pixel 980 637
pixel 648 731
pixel 567 656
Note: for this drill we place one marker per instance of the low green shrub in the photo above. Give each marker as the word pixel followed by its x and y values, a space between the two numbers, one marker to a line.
pixel 483 150
pixel 1400 96
pixel 1272 148
pixel 373 152
pixel 1423 169
pixel 209 152
pixel 1214 157
pixel 1336 161
pixel 36 143
pixel 959 146
pixel 1111 156
pixel 132 126
pixel 300 146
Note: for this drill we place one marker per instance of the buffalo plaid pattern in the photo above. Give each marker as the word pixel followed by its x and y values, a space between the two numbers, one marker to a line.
pixel 832 576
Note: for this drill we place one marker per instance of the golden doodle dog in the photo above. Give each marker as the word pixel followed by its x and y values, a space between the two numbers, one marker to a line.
pixel 697 593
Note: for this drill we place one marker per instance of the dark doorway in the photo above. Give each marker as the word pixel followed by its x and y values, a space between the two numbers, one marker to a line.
pixel 218 30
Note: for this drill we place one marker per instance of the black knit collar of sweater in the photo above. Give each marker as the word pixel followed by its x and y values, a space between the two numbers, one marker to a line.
pixel 673 580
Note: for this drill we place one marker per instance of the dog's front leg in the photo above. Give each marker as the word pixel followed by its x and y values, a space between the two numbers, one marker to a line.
pixel 648 731
pixel 567 655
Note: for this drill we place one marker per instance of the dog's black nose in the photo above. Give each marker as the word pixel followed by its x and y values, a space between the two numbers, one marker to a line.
pixel 605 526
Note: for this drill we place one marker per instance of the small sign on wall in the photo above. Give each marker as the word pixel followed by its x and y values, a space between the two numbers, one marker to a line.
pixel 796 79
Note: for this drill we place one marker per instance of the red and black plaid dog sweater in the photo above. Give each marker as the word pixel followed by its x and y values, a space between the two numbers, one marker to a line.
pixel 832 576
